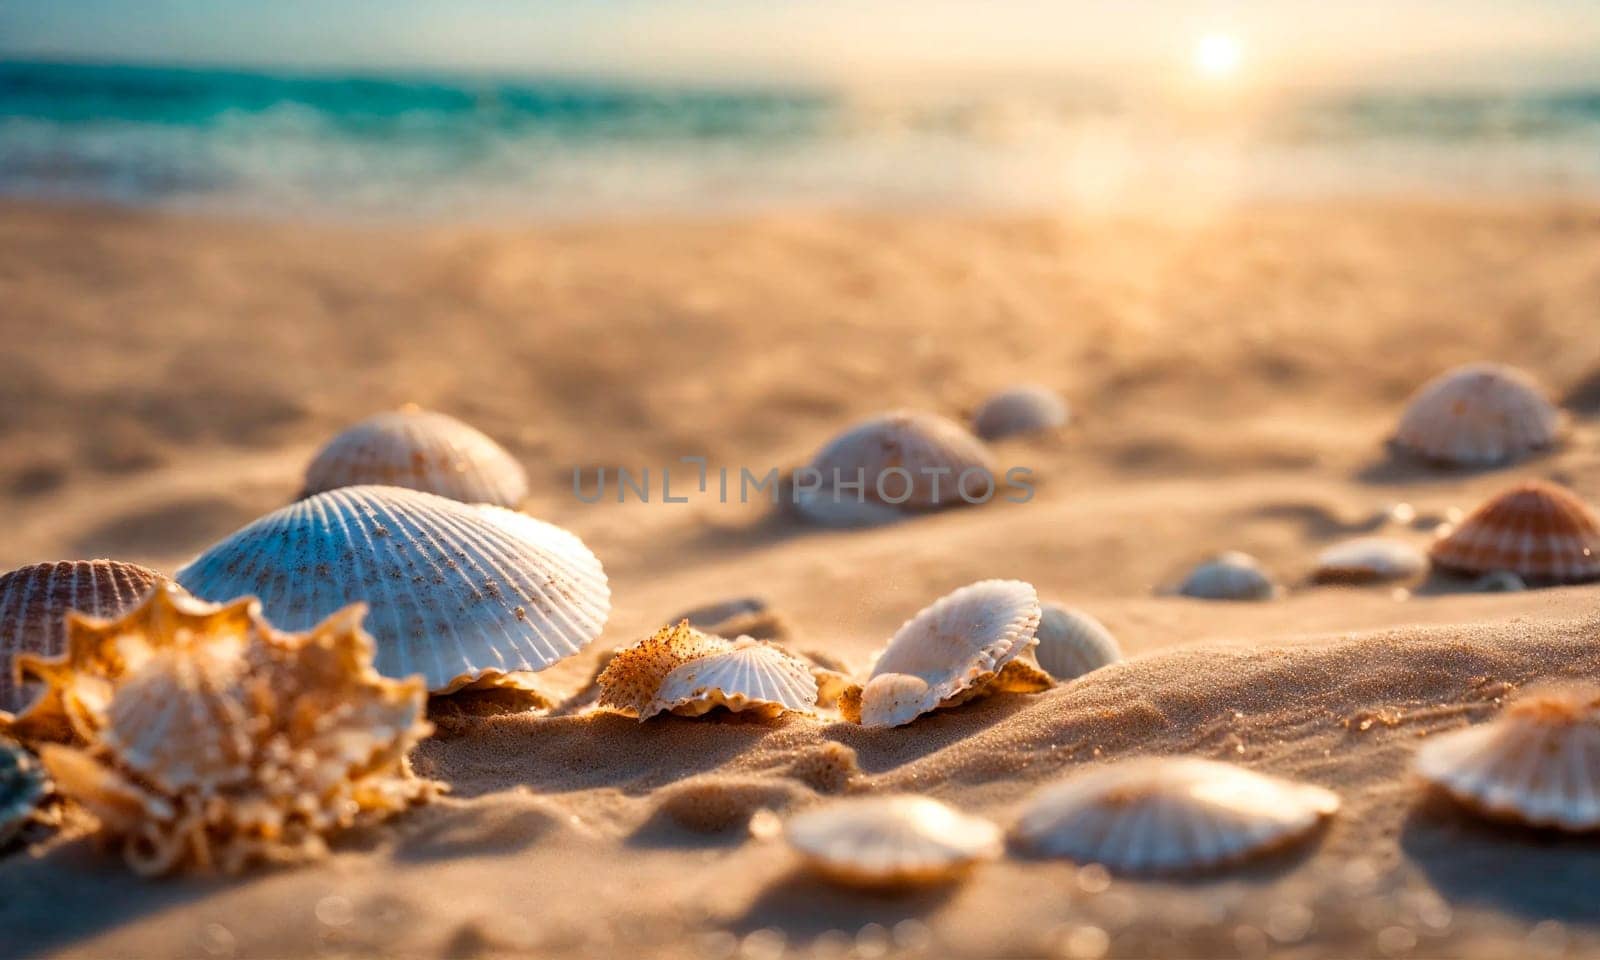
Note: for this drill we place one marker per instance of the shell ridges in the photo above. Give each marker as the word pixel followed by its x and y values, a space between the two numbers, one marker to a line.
pixel 419 450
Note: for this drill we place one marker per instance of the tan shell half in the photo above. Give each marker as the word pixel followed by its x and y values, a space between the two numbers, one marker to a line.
pixel 629 682
pixel 906 461
pixel 1539 531
pixel 23 786
pixel 1477 415
pixel 1369 560
pixel 752 676
pixel 1538 763
pixel 214 740
pixel 34 601
pixel 891 841
pixel 456 592
pixel 1072 643
pixel 1170 814
pixel 1231 575
pixel 960 643
pixel 419 450
pixel 1019 410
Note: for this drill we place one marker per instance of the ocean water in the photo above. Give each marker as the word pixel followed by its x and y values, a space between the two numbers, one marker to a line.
pixel 477 147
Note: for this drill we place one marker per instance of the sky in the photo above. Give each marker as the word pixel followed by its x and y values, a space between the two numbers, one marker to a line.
pixel 1430 42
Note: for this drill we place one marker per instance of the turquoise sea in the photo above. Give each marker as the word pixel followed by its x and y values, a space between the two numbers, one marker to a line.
pixel 375 145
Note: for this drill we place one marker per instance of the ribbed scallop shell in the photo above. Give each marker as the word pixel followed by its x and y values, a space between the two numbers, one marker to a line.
pixel 752 676
pixel 419 450
pixel 456 592
pixel 891 841
pixel 961 641
pixel 911 441
pixel 1538 763
pixel 1229 576
pixel 629 682
pixel 1540 532
pixel 1477 415
pixel 1072 643
pixel 1019 410
pixel 34 601
pixel 214 740
pixel 23 786
pixel 1170 814
pixel 1369 560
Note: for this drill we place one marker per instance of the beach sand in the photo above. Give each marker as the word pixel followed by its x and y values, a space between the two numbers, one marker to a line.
pixel 1233 376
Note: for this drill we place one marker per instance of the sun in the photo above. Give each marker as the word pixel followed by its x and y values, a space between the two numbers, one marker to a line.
pixel 1217 55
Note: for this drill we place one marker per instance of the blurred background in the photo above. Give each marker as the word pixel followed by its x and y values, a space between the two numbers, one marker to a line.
pixel 491 109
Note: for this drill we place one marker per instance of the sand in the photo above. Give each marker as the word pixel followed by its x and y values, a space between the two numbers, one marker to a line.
pixel 1233 378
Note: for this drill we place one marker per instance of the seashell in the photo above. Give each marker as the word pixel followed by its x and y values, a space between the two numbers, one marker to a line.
pixel 215 740
pixel 1072 643
pixel 891 841
pixel 752 676
pixel 1167 814
pixel 906 461
pixel 23 786
pixel 1369 560
pixel 1538 763
pixel 1478 415
pixel 419 450
pixel 1499 581
pixel 456 592
pixel 34 601
pixel 1229 576
pixel 629 682
pixel 960 643
pixel 1539 531
pixel 1019 410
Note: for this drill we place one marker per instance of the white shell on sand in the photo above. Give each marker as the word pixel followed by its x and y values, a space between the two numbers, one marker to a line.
pixel 1538 763
pixel 1369 560
pixel 1229 576
pixel 906 460
pixel 891 841
pixel 420 450
pixel 1072 643
pixel 752 676
pixel 1019 410
pixel 34 601
pixel 1478 414
pixel 1168 814
pixel 961 641
pixel 456 592
pixel 23 785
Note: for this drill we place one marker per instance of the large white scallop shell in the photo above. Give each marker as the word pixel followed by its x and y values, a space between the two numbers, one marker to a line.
pixel 457 592
pixel 1019 410
pixel 1231 575
pixel 420 450
pixel 34 601
pixel 1166 814
pixel 1369 560
pixel 23 786
pixel 891 841
pixel 1538 763
pixel 1072 643
pixel 1477 415
pixel 905 460
pixel 960 642
pixel 753 676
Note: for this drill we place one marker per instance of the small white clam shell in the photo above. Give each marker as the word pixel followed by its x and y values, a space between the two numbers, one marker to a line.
pixel 1072 643
pixel 906 461
pixel 1019 410
pixel 891 841
pixel 752 676
pixel 456 592
pixel 1169 814
pixel 1229 576
pixel 1369 560
pixel 1538 763
pixel 420 450
pixel 959 641
pixel 1477 415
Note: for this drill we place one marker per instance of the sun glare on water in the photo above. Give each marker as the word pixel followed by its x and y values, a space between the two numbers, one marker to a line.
pixel 1217 55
